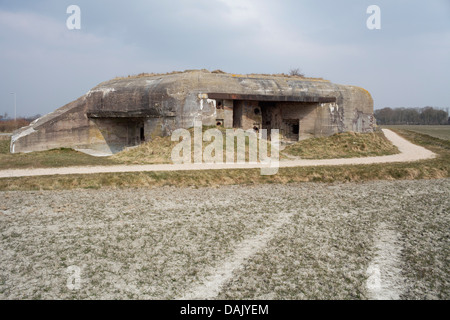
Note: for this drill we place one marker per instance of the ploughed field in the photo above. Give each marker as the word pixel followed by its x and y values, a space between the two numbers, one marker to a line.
pixel 379 239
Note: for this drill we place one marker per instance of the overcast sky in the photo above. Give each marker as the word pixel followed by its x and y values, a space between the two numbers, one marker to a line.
pixel 405 64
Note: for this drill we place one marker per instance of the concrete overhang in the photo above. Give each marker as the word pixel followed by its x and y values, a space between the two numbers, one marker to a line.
pixel 272 98
pixel 128 114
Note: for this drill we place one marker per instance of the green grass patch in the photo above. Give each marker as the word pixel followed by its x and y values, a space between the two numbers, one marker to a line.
pixel 54 158
pixel 343 145
pixel 4 144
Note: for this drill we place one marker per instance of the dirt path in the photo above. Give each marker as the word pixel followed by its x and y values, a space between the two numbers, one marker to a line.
pixel 408 152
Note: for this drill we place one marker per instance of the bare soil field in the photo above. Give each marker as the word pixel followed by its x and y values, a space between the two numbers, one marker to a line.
pixel 371 240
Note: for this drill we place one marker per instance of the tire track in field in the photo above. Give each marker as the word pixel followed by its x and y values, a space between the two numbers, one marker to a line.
pixel 211 285
pixel 385 281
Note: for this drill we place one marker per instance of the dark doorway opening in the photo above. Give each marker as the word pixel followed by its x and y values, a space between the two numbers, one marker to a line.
pixel 237 114
pixel 142 134
pixel 291 129
pixel 267 113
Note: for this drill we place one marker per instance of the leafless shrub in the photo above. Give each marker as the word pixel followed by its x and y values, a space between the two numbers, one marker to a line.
pixel 296 72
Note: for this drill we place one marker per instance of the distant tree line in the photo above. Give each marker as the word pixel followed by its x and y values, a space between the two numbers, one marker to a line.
pixel 423 116
pixel 7 124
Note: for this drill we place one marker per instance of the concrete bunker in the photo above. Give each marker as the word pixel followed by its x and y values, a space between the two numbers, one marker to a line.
pixel 125 112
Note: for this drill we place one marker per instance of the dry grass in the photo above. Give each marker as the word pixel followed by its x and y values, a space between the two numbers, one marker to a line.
pixel 145 75
pixel 156 151
pixel 429 169
pixel 343 145
pixel 251 75
pixel 283 75
pixel 159 149
pixel 426 169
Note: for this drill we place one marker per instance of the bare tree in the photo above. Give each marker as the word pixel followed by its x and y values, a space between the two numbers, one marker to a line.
pixel 296 72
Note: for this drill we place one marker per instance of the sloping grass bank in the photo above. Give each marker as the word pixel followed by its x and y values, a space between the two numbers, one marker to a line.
pixel 159 149
pixel 55 158
pixel 343 145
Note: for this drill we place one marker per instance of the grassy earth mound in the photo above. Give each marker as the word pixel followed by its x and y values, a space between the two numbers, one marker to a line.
pixel 343 145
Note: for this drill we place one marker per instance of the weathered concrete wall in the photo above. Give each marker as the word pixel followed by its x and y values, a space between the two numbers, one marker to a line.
pixel 159 127
pixel 248 114
pixel 224 113
pixel 304 113
pixel 228 106
pixel 164 103
pixel 66 127
pixel 117 133
pixel 356 109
